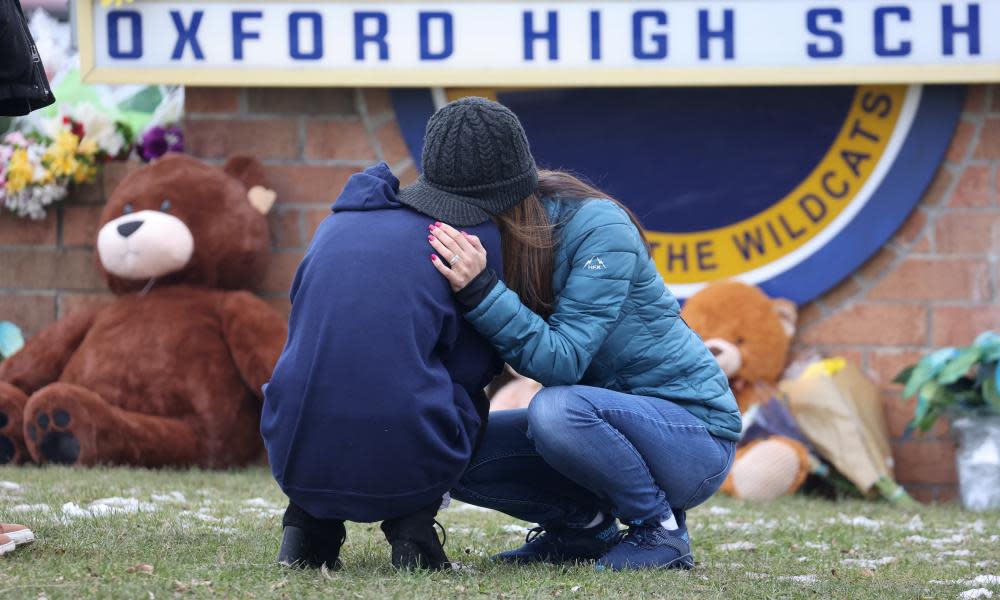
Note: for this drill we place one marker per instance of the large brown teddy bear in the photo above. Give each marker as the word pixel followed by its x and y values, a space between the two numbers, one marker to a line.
pixel 170 373
pixel 750 335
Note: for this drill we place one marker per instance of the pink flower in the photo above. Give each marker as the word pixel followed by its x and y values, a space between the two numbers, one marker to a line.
pixel 16 138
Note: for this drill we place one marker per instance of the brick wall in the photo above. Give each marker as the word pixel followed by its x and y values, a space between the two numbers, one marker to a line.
pixel 935 283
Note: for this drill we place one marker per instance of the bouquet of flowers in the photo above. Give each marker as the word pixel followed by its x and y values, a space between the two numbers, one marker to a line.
pixel 37 168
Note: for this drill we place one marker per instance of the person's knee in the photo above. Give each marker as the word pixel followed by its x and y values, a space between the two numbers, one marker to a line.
pixel 550 413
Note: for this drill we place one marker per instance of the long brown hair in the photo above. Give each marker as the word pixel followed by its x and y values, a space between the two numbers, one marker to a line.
pixel 528 242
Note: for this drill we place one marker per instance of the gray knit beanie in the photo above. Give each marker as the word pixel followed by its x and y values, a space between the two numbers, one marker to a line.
pixel 476 164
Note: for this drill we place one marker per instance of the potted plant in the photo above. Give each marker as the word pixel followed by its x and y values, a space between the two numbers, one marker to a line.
pixel 964 385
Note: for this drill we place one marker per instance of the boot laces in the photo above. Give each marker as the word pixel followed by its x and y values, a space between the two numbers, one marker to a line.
pixel 533 534
pixel 444 533
pixel 641 536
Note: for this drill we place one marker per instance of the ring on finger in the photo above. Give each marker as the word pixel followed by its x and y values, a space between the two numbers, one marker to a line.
pixel 454 260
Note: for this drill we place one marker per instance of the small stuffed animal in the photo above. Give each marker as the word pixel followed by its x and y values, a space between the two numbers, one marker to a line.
pixel 750 335
pixel 170 373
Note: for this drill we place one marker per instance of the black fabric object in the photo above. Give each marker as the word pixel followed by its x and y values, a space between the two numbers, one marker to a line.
pixel 24 86
pixel 476 290
pixel 476 164
pixel 308 542
pixel 414 541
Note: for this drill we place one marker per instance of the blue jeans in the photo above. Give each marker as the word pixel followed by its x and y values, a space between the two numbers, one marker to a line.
pixel 578 450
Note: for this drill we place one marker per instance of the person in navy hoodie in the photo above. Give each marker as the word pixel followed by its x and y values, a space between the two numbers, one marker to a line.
pixel 377 400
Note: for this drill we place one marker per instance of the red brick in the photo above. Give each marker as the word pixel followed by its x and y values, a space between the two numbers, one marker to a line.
pixel 989 141
pixel 939 186
pixel 378 102
pixel 285 229
pixel 878 264
pixel 211 100
pixel 925 461
pixel 967 233
pixel 90 193
pixel 975 99
pixel 308 183
pixel 71 303
pixel 974 188
pixel 844 291
pixel 43 269
pixel 80 224
pixel 16 230
pixel 945 493
pixel 302 101
pixel 872 324
pixel 809 315
pixel 408 175
pixel 898 414
pixel 959 325
pixel 921 493
pixel 935 279
pixel 29 312
pixel 338 140
pixel 280 272
pixel 313 219
pixel 912 228
pixel 114 172
pixel 394 148
pixel 886 363
pixel 960 141
pixel 263 138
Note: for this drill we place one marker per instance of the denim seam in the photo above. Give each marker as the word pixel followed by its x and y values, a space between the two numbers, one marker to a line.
pixel 496 457
pixel 603 411
pixel 722 473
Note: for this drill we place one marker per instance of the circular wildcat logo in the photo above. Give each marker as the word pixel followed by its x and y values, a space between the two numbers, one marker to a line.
pixel 788 188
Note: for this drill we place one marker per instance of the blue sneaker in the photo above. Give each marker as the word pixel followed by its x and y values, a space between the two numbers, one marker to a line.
pixel 649 546
pixel 563 545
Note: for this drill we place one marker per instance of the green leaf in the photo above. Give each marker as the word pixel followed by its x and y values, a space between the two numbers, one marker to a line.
pixel 904 375
pixel 959 365
pixel 928 368
pixel 11 339
pixel 988 343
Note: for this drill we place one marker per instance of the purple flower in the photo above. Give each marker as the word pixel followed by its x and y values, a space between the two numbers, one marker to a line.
pixel 157 141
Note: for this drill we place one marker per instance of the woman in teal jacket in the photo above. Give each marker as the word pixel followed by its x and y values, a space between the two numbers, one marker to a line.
pixel 636 422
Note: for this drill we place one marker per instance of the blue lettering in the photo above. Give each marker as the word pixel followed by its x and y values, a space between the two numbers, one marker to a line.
pixel 239 35
pixel 447 25
pixel 595 35
pixel 659 40
pixel 881 47
pixel 115 17
pixel 377 37
pixel 550 35
pixel 949 29
pixel 187 35
pixel 814 26
pixel 294 45
pixel 705 34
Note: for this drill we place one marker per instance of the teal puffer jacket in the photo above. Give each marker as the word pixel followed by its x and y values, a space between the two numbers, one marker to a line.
pixel 615 325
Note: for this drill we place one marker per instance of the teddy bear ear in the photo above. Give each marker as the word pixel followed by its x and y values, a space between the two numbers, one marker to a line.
pixel 250 172
pixel 787 313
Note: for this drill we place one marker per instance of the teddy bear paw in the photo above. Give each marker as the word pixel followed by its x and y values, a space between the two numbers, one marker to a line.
pixel 55 441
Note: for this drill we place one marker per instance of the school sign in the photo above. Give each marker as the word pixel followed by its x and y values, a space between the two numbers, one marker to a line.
pixel 531 43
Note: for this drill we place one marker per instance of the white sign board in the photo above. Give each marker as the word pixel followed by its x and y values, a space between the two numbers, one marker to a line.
pixel 528 43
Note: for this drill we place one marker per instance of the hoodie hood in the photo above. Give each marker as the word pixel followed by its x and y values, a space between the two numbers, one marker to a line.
pixel 375 188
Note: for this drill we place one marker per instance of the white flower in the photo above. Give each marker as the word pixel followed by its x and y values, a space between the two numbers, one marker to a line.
pixel 99 127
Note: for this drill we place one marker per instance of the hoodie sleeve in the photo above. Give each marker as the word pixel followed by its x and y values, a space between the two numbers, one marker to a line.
pixel 603 251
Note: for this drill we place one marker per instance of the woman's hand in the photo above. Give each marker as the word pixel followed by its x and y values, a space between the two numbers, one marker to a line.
pixel 460 257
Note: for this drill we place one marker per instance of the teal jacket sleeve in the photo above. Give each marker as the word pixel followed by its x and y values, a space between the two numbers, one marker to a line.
pixel 601 248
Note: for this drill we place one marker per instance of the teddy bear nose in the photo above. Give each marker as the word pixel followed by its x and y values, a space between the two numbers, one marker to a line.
pixel 127 229
pixel 715 350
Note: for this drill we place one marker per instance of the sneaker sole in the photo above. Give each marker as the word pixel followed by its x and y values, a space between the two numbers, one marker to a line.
pixel 8 547
pixel 685 562
pixel 22 537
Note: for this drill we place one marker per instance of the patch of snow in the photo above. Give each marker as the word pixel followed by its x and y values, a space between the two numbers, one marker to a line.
pixel 719 510
pixel 861 521
pixel 946 582
pixel 985 564
pixel 805 579
pixel 817 545
pixel 752 575
pixel 173 496
pixel 802 558
pixel 462 506
pixel 987 580
pixel 9 486
pixel 869 563
pixel 260 503
pixel 512 528
pixel 263 513
pixel 27 508
pixel 224 530
pixel 976 593
pixel 114 505
pixel 737 546
pixel 954 553
pixel 915 524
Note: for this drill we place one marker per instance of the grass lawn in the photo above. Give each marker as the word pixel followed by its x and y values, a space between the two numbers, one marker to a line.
pixel 201 534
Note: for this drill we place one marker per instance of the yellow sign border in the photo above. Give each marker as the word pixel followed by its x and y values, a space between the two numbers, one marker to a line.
pixel 554 77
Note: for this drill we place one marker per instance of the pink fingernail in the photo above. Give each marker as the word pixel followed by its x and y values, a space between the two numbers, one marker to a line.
pixel 434 257
pixel 430 238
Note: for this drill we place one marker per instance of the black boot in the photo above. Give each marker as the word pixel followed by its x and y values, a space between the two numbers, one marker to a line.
pixel 414 541
pixel 308 542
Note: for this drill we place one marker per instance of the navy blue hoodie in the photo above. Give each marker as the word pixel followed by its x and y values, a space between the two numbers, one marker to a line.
pixel 371 412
